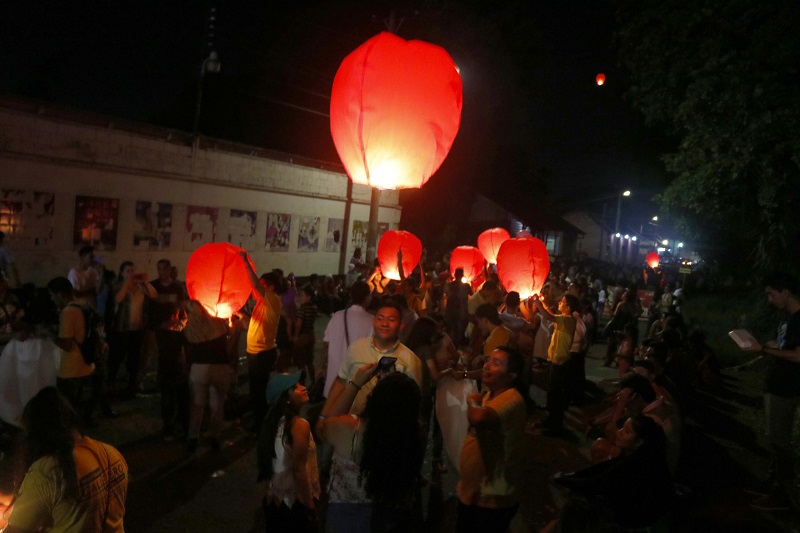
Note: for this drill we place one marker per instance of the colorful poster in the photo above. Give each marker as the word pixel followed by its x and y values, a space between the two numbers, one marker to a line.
pixel 360 232
pixel 242 229
pixel 308 236
pixel 96 221
pixel 359 238
pixel 27 218
pixel 153 226
pixel 201 225
pixel 333 242
pixel 278 226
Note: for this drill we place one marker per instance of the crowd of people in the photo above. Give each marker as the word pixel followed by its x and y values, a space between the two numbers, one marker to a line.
pixel 391 351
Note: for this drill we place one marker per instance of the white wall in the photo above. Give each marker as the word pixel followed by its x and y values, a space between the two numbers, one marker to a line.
pixel 71 159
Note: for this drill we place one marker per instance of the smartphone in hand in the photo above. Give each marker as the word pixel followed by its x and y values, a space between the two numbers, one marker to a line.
pixel 386 365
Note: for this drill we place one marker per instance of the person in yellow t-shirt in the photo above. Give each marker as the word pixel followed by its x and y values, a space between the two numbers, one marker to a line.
pixel 262 350
pixel 496 333
pixel 73 483
pixel 492 453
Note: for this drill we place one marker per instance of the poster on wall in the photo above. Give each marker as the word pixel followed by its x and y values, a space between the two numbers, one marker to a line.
pixel 242 229
pixel 278 226
pixel 333 242
pixel 96 221
pixel 308 236
pixel 153 226
pixel 201 226
pixel 360 229
pixel 27 218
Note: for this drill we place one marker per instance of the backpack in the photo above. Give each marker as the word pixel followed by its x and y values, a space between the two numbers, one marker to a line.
pixel 94 344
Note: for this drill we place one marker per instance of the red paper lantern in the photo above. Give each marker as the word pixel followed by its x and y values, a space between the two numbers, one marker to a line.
pixel 489 242
pixel 218 279
pixel 523 264
pixel 470 259
pixel 653 260
pixel 394 241
pixel 395 111
pixel 600 79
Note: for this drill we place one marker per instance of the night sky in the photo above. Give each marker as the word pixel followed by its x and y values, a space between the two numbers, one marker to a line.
pixel 534 122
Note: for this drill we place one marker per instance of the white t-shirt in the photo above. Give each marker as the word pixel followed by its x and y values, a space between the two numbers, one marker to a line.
pixel 359 325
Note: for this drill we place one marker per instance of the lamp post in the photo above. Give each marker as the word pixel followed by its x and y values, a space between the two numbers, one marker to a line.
pixel 616 224
pixel 210 65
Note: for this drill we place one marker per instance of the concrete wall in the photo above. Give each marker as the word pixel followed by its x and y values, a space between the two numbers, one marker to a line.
pixel 40 153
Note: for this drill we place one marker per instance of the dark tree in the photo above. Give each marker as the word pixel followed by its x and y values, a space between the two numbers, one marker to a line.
pixel 723 76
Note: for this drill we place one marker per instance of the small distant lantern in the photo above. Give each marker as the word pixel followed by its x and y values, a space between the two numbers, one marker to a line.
pixel 600 79
pixel 653 260
pixel 218 279
pixel 489 243
pixel 468 258
pixel 391 243
pixel 395 111
pixel 522 265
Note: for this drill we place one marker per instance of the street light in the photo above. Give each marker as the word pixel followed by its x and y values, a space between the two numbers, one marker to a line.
pixel 211 65
pixel 655 219
pixel 616 224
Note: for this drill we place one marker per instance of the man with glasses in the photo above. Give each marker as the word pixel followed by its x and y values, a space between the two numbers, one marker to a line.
pixel 383 343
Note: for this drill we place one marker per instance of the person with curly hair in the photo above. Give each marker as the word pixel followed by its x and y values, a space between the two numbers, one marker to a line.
pixel 377 456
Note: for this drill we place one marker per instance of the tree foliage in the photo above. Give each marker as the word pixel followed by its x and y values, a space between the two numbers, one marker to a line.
pixel 723 76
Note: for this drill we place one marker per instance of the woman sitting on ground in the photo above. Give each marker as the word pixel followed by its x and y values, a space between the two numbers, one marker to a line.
pixel 377 457
pixel 635 394
pixel 636 486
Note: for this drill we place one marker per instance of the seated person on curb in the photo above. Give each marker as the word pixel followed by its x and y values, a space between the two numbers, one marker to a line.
pixel 636 487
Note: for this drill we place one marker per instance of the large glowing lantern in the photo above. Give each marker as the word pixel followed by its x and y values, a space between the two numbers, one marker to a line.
pixel 395 111
pixel 217 278
pixel 653 259
pixel 489 243
pixel 391 243
pixel 523 264
pixel 600 79
pixel 468 258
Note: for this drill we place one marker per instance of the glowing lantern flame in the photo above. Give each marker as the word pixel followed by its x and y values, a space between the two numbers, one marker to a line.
pixel 489 243
pixel 653 260
pixel 600 79
pixel 395 111
pixel 468 258
pixel 522 265
pixel 218 279
pixel 394 241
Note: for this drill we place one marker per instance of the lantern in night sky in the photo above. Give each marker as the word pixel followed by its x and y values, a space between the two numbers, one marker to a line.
pixel 391 243
pixel 218 279
pixel 600 79
pixel 489 243
pixel 395 111
pixel 470 259
pixel 653 260
pixel 523 264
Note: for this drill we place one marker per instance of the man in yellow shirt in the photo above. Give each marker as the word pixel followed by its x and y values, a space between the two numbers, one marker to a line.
pixel 262 351
pixel 489 323
pixel 558 355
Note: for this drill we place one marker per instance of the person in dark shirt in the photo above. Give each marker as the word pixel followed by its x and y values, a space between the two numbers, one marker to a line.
pixel 304 340
pixel 781 389
pixel 173 373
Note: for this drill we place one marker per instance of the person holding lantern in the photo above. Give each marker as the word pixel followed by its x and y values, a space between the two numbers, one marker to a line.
pixel 781 390
pixel 558 355
pixel 262 351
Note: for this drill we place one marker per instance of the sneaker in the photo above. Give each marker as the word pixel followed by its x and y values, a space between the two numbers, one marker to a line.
pixel 771 502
